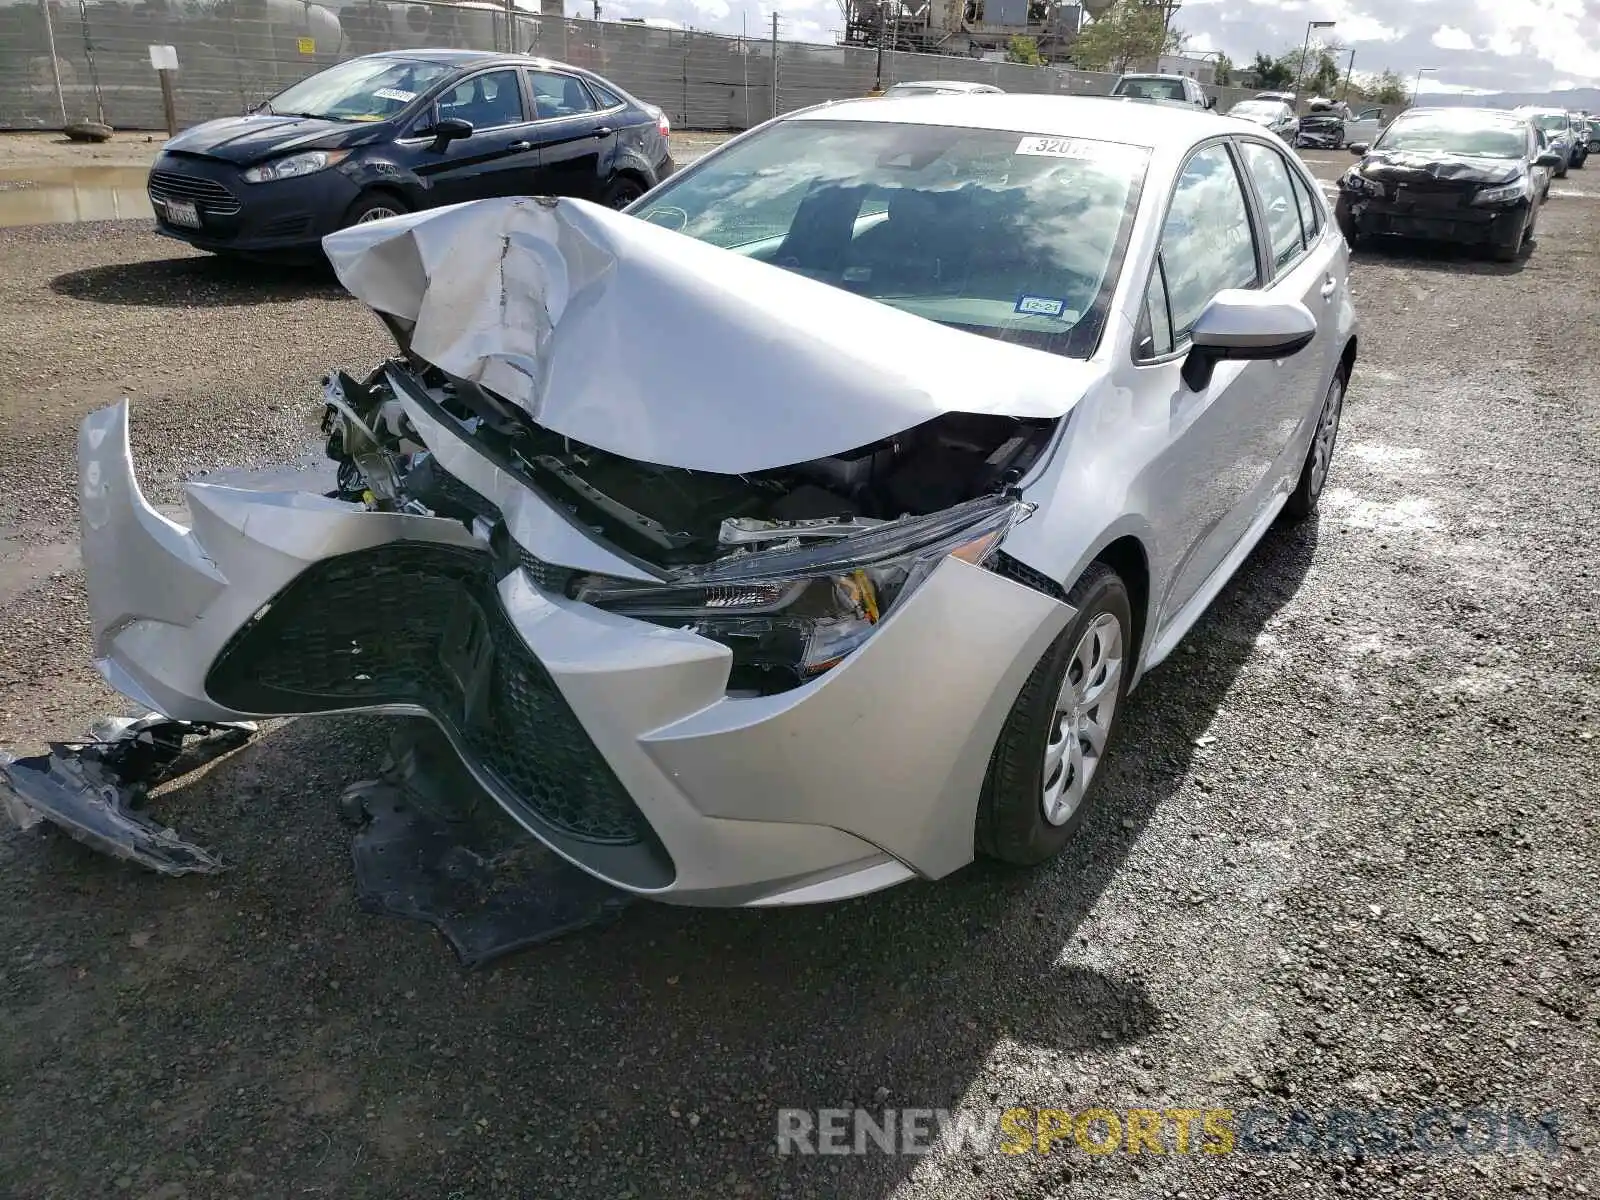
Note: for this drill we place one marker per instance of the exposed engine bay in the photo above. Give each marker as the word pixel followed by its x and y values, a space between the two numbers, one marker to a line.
pixel 791 567
pixel 667 516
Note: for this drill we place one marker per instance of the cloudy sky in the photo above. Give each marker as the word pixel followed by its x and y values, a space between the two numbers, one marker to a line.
pixel 1474 44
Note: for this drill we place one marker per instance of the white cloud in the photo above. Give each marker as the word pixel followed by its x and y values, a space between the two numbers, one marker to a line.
pixel 1448 37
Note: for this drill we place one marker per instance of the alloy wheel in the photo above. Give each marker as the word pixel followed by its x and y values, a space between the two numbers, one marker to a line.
pixel 1327 434
pixel 1082 720
pixel 377 213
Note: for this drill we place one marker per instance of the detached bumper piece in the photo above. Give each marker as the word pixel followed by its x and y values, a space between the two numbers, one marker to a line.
pixel 95 790
pixel 434 847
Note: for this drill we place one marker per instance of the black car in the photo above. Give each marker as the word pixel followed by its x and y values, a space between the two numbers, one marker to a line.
pixel 1470 176
pixel 388 133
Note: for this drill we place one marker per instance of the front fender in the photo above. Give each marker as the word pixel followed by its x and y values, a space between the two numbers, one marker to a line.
pixel 382 171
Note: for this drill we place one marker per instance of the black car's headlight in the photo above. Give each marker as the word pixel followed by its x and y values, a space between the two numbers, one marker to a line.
pixel 792 613
pixel 1354 182
pixel 1503 193
pixel 308 162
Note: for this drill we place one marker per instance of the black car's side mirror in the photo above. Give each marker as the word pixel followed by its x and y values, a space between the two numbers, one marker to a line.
pixel 449 130
pixel 1359 149
pixel 1547 159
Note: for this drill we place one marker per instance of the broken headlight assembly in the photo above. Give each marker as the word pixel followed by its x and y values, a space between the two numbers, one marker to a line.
pixel 792 612
pixel 1505 193
pixel 1357 184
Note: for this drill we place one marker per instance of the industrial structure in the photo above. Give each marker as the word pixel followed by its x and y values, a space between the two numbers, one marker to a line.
pixel 976 28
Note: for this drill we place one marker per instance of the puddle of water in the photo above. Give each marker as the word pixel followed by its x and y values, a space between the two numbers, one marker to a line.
pixel 51 195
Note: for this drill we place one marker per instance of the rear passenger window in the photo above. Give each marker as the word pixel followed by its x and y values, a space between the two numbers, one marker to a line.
pixel 605 98
pixel 1276 187
pixel 1207 245
pixel 1310 207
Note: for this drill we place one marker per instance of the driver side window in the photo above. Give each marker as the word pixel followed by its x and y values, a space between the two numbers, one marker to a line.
pixel 1207 246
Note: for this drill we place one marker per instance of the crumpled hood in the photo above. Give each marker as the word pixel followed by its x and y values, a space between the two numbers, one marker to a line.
pixel 1401 166
pixel 245 140
pixel 657 347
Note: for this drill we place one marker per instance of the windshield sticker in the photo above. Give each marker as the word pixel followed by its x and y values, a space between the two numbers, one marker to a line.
pixel 1041 306
pixel 395 94
pixel 1055 147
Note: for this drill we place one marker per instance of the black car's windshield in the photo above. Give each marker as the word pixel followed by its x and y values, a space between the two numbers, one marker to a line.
pixel 1010 235
pixel 1449 134
pixel 363 89
pixel 1151 89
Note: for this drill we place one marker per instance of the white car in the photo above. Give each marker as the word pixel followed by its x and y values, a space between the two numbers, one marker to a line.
pixel 941 87
pixel 800 531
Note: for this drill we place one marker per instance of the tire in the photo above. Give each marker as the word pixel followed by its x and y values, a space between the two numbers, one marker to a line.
pixel 1511 251
pixel 1347 225
pixel 1577 163
pixel 1097 645
pixel 373 206
pixel 622 191
pixel 1302 502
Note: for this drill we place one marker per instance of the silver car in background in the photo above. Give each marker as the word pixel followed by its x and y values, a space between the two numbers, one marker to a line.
pixel 801 532
pixel 1272 115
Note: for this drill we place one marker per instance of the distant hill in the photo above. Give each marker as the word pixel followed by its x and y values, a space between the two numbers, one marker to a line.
pixel 1585 99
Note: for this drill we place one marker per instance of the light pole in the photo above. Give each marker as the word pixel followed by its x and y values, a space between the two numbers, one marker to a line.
pixel 1350 69
pixel 1416 88
pixel 1305 51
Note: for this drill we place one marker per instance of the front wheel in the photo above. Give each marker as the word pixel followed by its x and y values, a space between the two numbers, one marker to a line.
pixel 374 206
pixel 1048 756
pixel 1303 501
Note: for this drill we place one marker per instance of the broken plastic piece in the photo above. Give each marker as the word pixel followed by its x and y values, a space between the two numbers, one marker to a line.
pixel 435 847
pixel 93 790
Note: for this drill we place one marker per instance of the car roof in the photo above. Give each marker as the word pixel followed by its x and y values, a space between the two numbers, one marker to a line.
pixel 1090 117
pixel 1541 109
pixel 944 83
pixel 472 58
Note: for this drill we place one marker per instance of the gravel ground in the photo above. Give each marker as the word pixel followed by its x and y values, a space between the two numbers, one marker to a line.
pixel 1345 857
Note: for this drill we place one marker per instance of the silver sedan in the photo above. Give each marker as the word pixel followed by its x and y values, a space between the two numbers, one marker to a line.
pixel 800 532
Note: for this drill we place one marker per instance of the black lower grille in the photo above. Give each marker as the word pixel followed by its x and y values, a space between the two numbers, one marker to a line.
pixel 414 623
pixel 207 193
pixel 292 225
pixel 1018 572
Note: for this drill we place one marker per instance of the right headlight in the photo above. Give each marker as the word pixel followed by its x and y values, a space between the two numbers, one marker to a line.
pixel 791 613
pixel 1505 193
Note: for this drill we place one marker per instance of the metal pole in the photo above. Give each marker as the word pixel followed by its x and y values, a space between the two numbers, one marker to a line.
pixel 882 21
pixel 774 64
pixel 1305 52
pixel 1348 72
pixel 55 63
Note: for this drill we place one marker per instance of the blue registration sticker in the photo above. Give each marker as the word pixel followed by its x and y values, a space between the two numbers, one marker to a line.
pixel 1041 306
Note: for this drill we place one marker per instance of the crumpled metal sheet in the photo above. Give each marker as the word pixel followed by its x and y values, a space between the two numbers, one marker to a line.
pixel 661 348
pixel 94 790
pixel 1400 166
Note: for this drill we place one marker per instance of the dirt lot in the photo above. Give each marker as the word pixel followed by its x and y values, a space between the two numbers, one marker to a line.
pixel 1346 858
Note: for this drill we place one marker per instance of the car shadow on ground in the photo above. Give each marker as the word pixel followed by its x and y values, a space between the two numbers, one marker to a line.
pixel 197 281
pixel 661 1046
pixel 1440 256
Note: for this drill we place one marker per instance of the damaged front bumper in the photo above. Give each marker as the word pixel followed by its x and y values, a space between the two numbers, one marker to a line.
pixel 614 740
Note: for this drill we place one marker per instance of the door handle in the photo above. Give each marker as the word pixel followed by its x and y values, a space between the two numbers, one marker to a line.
pixel 604 131
pixel 1330 285
pixel 519 147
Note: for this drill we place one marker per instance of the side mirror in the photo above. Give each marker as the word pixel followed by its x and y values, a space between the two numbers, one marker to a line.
pixel 449 130
pixel 1243 325
pixel 1547 159
pixel 1211 102
pixel 1359 149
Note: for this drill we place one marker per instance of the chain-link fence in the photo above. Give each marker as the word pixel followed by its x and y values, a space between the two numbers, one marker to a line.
pixel 62 61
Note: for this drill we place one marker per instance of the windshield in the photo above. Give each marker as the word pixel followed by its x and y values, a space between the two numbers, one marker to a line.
pixel 363 89
pixel 1550 122
pixel 1456 135
pixel 1257 109
pixel 1151 89
pixel 1008 235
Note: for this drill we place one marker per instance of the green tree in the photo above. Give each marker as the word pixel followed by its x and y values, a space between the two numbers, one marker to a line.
pixel 1024 50
pixel 1225 69
pixel 1272 74
pixel 1389 88
pixel 1127 32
